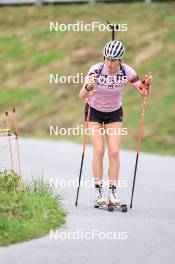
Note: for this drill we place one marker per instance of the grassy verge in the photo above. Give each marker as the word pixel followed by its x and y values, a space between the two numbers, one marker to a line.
pixel 28 214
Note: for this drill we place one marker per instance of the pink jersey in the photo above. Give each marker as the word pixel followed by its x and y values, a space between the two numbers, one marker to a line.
pixel 108 89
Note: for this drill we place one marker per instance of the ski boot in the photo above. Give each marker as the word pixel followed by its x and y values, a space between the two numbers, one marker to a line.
pixel 114 201
pixel 99 196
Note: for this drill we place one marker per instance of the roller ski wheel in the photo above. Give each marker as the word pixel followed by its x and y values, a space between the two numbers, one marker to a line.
pixel 110 207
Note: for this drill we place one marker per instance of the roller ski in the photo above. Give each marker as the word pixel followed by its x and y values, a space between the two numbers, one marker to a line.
pixel 105 206
pixel 114 202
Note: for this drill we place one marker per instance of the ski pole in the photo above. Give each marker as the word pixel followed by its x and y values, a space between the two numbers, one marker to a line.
pixel 113 27
pixel 84 147
pixel 9 140
pixel 18 152
pixel 84 140
pixel 138 145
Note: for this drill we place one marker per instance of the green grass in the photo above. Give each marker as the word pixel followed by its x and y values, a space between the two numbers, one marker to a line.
pixel 28 214
pixel 29 52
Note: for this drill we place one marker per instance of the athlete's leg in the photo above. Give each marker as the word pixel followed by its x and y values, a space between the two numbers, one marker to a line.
pixel 97 140
pixel 113 134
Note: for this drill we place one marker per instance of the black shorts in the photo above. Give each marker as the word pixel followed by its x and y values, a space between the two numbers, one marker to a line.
pixel 104 117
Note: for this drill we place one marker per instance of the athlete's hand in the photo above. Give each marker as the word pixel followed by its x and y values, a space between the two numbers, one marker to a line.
pixel 90 81
pixel 145 86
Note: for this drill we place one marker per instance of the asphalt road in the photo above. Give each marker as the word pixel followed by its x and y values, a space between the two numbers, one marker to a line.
pixel 146 234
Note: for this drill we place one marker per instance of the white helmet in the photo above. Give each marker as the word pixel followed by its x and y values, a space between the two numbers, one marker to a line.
pixel 114 50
